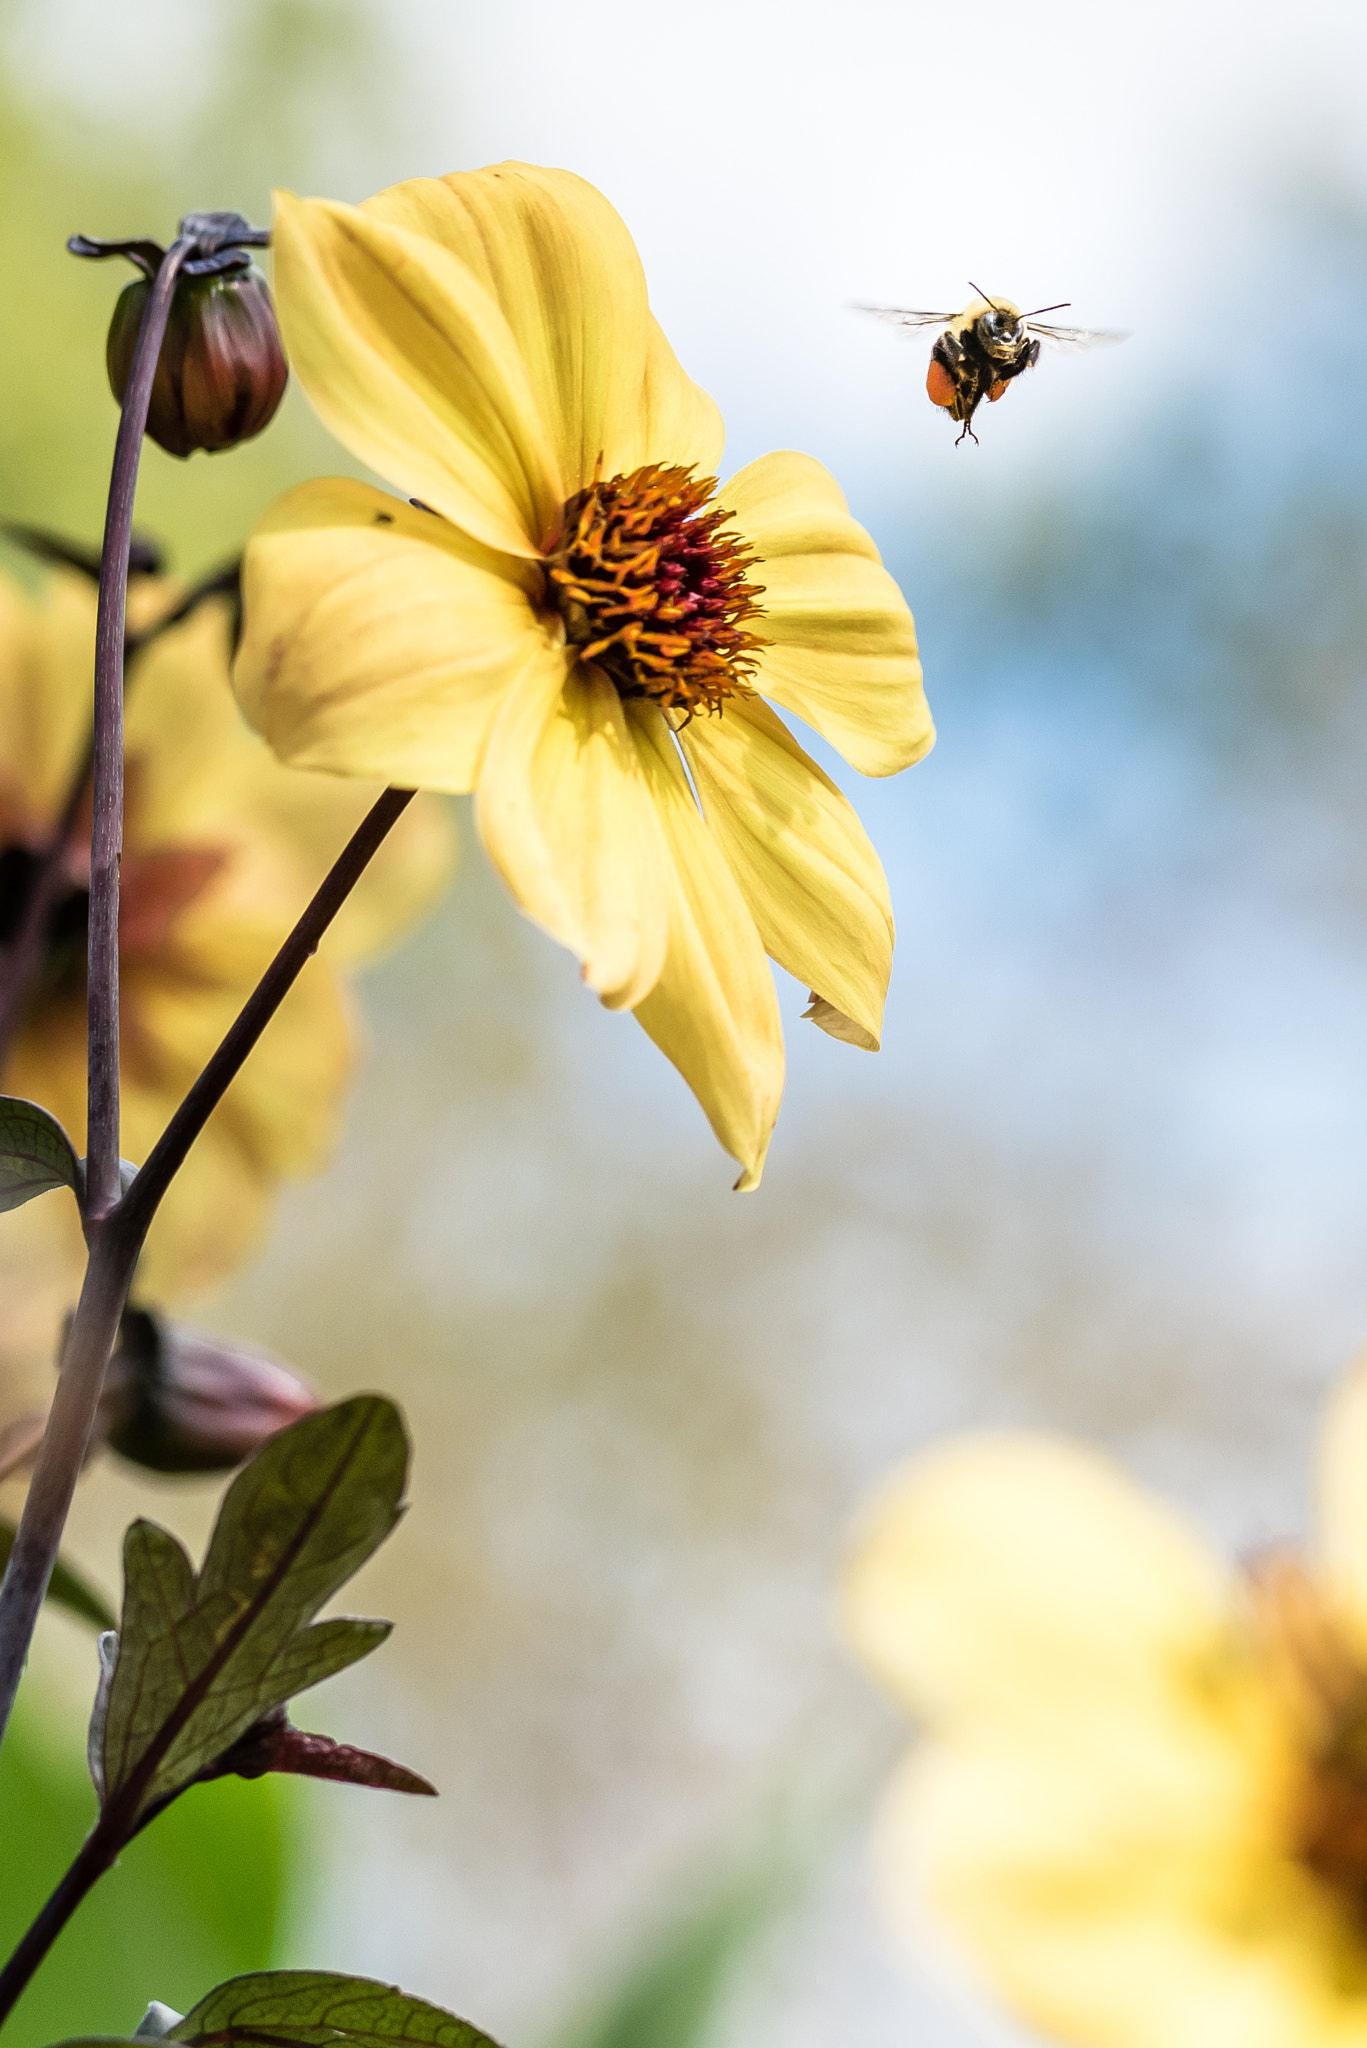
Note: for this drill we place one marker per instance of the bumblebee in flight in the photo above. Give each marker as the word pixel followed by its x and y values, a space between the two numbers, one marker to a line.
pixel 983 348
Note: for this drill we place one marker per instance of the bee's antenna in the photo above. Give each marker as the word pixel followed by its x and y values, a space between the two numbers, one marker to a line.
pixel 991 302
pixel 1047 309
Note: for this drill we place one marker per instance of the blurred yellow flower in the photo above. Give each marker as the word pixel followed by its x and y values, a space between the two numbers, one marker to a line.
pixel 222 849
pixel 1141 1806
pixel 570 619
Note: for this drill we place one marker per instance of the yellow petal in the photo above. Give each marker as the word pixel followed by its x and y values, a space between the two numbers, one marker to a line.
pixel 566 816
pixel 558 260
pixel 407 877
pixel 282 1109
pixel 843 653
pixel 1342 1499
pixel 42 1259
pixel 279 1118
pixel 837 1025
pixel 1137 1898
pixel 803 861
pixel 198 778
pixel 1025 1577
pixel 410 363
pixel 378 640
pixel 713 1011
pixel 211 1222
pixel 47 669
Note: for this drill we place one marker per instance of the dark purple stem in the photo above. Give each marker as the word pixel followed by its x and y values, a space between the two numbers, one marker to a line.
pixel 106 839
pixel 168 1154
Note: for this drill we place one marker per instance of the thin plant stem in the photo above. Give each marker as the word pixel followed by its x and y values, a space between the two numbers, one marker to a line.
pixel 115 1241
pixel 89 1342
pixel 106 837
pixel 167 1156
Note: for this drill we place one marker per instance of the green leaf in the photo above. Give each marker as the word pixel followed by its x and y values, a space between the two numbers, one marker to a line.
pixel 36 1154
pixel 315 2007
pixel 66 1586
pixel 200 1658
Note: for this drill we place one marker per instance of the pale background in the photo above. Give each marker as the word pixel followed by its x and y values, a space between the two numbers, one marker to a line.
pixel 1109 1173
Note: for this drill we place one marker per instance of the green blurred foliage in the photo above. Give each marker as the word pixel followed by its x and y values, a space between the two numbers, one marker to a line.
pixel 287 79
pixel 675 1989
pixel 195 1899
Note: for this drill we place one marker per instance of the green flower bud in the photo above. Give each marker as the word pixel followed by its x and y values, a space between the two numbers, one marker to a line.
pixel 221 373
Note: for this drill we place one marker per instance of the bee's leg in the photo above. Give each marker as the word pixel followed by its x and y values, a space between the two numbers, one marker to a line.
pixel 949 350
pixel 1006 373
pixel 970 398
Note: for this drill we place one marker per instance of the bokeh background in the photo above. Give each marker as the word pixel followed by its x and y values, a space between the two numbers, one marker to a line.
pixel 1109 1174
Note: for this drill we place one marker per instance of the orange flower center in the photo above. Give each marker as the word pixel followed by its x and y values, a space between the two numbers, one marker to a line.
pixel 62 970
pixel 156 888
pixel 1323 1685
pixel 654 587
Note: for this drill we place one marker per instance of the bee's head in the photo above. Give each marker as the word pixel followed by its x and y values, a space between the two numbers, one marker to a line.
pixel 999 324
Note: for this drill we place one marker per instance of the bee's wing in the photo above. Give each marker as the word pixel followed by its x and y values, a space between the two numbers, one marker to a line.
pixel 1076 337
pixel 901 318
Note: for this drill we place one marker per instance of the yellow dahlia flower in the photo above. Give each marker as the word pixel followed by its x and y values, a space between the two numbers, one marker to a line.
pixel 1141 1804
pixel 571 619
pixel 222 849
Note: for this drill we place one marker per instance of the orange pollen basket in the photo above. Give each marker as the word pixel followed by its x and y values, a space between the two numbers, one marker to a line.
pixel 655 590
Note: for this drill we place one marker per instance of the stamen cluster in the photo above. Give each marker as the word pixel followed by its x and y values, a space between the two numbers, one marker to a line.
pixel 656 590
pixel 1323 1685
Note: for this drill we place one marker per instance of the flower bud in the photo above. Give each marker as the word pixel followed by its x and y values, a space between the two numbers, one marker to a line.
pixel 180 1400
pixel 221 373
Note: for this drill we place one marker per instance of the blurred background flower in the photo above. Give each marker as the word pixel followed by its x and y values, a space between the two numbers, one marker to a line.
pixel 222 849
pixel 1109 1172
pixel 1140 1800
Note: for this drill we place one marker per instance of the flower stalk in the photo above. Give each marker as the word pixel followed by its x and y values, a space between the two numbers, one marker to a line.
pixel 109 1273
pixel 106 843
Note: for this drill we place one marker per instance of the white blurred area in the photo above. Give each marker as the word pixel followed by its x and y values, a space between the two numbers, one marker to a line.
pixel 1110 1173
